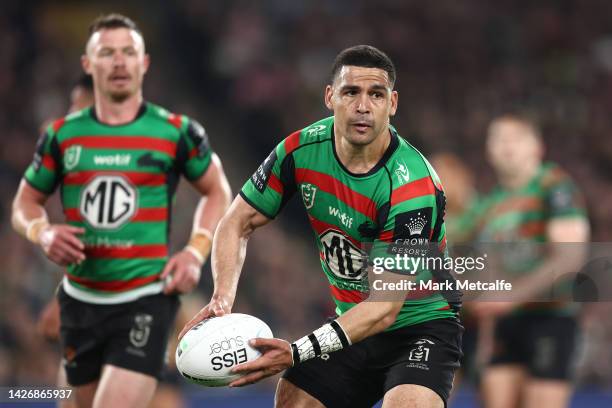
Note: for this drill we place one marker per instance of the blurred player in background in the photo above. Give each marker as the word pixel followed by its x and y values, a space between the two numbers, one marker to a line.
pixel 81 97
pixel 361 185
pixel 118 164
pixel 534 202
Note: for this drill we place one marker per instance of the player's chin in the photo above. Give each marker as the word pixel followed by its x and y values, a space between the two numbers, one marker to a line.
pixel 120 95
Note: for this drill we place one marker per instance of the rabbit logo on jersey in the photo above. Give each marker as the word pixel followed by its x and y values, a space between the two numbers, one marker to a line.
pixel 342 257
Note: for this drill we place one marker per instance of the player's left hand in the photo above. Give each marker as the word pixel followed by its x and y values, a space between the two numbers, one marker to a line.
pixel 276 356
pixel 185 270
pixel 491 309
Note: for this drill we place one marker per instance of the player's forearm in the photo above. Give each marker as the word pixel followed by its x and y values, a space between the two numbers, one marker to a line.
pixel 28 213
pixel 229 250
pixel 369 318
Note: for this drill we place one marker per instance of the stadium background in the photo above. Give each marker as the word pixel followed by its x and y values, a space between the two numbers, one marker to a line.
pixel 252 72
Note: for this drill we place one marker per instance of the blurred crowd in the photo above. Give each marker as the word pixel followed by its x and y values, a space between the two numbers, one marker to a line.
pixel 252 72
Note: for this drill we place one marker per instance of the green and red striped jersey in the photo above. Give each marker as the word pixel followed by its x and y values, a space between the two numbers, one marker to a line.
pixel 517 218
pixel 118 182
pixel 355 216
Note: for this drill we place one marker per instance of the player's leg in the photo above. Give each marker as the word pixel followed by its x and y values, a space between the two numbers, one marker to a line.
pixel 62 382
pixel 412 396
pixel 289 396
pixel 419 363
pixel 550 367
pixel 84 395
pixel 502 385
pixel 547 393
pixel 124 388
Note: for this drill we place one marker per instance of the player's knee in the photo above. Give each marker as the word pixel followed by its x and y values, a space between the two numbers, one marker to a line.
pixel 412 396
pixel 290 396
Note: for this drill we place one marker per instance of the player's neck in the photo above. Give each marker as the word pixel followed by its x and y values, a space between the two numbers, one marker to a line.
pixel 117 113
pixel 519 179
pixel 360 159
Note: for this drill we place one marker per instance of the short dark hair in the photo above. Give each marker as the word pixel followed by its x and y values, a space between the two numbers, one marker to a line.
pixel 112 20
pixel 364 56
pixel 526 118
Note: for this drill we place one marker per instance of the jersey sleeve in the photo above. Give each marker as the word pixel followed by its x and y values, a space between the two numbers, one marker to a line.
pixel 198 150
pixel 563 199
pixel 44 173
pixel 272 184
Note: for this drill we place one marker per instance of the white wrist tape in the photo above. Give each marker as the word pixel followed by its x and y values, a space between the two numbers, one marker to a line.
pixel 326 339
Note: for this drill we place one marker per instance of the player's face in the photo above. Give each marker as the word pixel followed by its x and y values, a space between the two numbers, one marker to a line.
pixel 512 146
pixel 362 100
pixel 117 62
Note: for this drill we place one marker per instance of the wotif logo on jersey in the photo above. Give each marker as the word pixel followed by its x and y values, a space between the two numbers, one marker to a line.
pixel 72 156
pixel 113 160
pixel 345 220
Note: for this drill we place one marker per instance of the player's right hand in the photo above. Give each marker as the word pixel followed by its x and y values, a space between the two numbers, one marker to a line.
pixel 61 244
pixel 218 306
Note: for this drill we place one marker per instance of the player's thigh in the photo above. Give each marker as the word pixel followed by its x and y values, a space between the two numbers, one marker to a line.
pixel 502 385
pixel 412 396
pixel 124 388
pixel 540 393
pixel 62 381
pixel 290 396
pixel 84 395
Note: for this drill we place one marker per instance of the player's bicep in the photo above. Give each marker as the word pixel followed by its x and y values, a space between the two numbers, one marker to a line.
pixel 246 216
pixel 213 179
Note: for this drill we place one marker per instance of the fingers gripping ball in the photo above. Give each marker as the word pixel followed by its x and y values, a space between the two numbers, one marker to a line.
pixel 211 348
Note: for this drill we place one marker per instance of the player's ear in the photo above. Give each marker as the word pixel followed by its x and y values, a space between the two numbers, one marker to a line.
pixel 146 63
pixel 86 64
pixel 329 92
pixel 394 101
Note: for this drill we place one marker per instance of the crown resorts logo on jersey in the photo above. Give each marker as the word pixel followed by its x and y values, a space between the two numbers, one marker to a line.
pixel 412 230
pixel 72 156
pixel 309 192
pixel 108 202
pixel 262 175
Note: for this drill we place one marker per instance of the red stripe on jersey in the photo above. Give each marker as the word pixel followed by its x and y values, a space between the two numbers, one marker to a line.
pixel 276 184
pixel 444 307
pixel 175 120
pixel 135 251
pixel 331 185
pixel 58 124
pixel 292 142
pixel 121 142
pixel 48 162
pixel 116 285
pixel 442 244
pixel 386 236
pixel 138 178
pixel 193 153
pixel 417 188
pixel 320 227
pixel 349 296
pixel 143 214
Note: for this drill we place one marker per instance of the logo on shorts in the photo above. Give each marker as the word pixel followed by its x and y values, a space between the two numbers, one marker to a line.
pixel 139 335
pixel 419 354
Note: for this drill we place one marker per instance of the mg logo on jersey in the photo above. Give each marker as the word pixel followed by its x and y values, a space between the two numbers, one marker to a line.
pixel 72 156
pixel 108 202
pixel 308 194
pixel 342 257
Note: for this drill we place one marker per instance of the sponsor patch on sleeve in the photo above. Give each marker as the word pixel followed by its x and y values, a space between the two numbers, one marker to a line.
pixel 262 175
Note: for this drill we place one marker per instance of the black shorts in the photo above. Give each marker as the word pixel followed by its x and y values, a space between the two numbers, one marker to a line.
pixel 543 344
pixel 425 354
pixel 130 335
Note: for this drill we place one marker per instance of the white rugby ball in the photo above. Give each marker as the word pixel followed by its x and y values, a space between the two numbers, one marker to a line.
pixel 210 349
